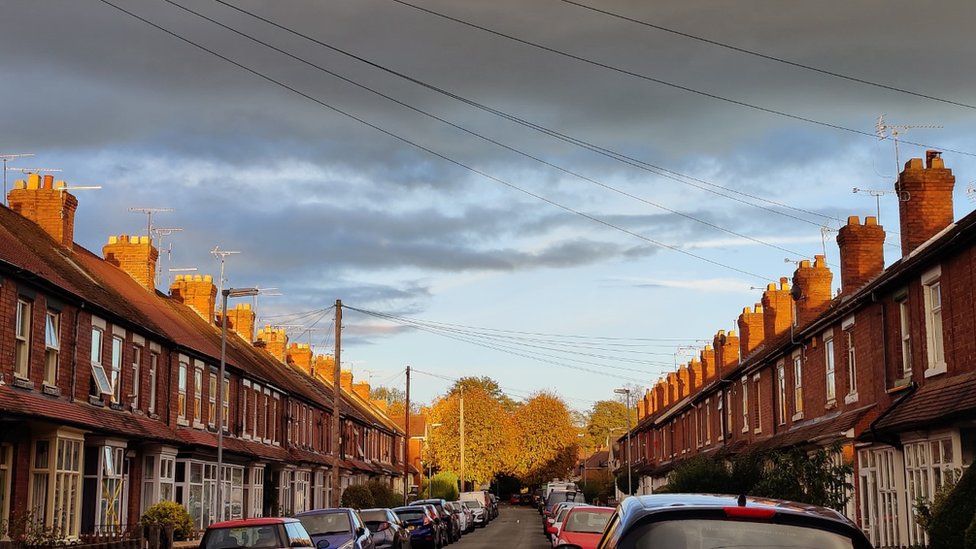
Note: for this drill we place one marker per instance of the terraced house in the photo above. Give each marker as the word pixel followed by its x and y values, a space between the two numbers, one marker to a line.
pixel 886 365
pixel 110 399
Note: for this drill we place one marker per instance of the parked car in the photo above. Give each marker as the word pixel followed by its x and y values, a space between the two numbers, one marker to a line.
pixel 515 499
pixel 558 496
pixel 468 514
pixel 463 515
pixel 549 519
pixel 256 533
pixel 422 523
pixel 341 528
pixel 695 520
pixel 478 511
pixel 581 525
pixel 387 529
pixel 493 506
pixel 453 521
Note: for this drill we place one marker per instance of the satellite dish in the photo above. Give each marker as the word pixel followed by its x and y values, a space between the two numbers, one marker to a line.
pixel 796 292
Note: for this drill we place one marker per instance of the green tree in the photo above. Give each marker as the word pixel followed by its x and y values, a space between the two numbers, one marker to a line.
pixel 396 400
pixel 548 444
pixel 947 527
pixel 606 417
pixel 815 478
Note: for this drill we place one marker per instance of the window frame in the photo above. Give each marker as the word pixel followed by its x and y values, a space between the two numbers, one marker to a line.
pixel 797 386
pixel 830 368
pixel 52 349
pixel 23 329
pixel 100 378
pixel 934 328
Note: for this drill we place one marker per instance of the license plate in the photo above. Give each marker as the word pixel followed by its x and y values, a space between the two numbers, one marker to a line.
pixel 410 528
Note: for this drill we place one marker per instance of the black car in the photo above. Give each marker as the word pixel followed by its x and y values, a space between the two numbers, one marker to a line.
pixel 453 521
pixel 696 520
pixel 421 522
pixel 387 528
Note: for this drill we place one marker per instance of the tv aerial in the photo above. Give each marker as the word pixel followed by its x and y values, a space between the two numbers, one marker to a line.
pixel 884 130
pixel 5 157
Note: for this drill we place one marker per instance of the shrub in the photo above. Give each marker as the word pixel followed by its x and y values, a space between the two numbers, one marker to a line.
pixel 169 511
pixel 383 495
pixel 970 542
pixel 947 527
pixel 358 496
pixel 443 485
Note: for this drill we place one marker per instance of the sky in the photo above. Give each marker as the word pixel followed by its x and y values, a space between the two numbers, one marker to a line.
pixel 563 195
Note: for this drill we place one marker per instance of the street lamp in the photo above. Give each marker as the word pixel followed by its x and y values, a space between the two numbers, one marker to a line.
pixel 630 485
pixel 229 292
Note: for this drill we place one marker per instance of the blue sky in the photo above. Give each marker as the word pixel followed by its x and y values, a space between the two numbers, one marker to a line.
pixel 478 245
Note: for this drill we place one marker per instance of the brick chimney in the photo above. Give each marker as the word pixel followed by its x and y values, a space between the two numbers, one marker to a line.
pixel 924 200
pixel 672 385
pixel 684 381
pixel 708 363
pixel 241 319
pixel 697 375
pixel 300 355
pixel 197 292
pixel 660 395
pixel 861 252
pixel 361 388
pixel 45 203
pixel 381 405
pixel 345 379
pixel 812 289
pixel 275 341
pixel 752 330
pixel 324 368
pixel 777 306
pixel 726 351
pixel 136 256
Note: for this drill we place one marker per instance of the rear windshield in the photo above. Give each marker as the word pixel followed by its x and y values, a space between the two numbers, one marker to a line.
pixel 592 522
pixel 474 503
pixel 373 516
pixel 557 497
pixel 715 534
pixel 410 515
pixel 256 537
pixel 326 523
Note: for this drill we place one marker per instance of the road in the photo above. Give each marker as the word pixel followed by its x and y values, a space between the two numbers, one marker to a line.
pixel 515 528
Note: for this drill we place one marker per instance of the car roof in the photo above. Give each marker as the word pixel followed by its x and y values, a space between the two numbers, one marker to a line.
pixel 258 521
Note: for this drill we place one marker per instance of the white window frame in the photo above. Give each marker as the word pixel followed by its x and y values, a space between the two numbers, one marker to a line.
pixel 136 375
pixel 6 464
pixel 22 333
pixel 52 346
pixel 830 368
pixel 212 401
pixel 55 487
pixel 102 381
pixel 745 404
pixel 757 397
pixel 198 395
pixel 116 365
pixel 797 386
pixel 934 330
pixel 153 377
pixel 781 383
pixel 905 324
pixel 225 403
pixel 181 403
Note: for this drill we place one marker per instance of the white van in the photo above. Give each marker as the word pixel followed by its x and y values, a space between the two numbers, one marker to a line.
pixel 475 496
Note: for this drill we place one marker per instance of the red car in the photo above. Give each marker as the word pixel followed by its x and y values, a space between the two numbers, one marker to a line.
pixel 583 526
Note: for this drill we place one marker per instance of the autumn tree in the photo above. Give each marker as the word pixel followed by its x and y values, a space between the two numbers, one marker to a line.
pixel 606 417
pixel 487 435
pixel 396 400
pixel 548 440
pixel 486 384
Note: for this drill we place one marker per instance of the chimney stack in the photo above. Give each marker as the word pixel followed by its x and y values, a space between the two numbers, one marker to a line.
pixel 240 320
pixel 811 289
pixel 324 368
pixel 861 252
pixel 275 341
pixel 752 330
pixel 300 355
pixel 345 379
pixel 47 204
pixel 924 200
pixel 777 306
pixel 708 363
pixel 197 292
pixel 361 388
pixel 136 256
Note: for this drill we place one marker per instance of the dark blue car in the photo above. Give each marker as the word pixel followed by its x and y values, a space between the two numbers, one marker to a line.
pixel 340 528
pixel 424 533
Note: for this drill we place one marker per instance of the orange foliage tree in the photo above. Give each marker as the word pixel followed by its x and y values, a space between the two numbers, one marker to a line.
pixel 548 441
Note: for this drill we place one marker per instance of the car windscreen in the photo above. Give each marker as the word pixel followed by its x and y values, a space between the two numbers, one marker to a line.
pixel 730 534
pixel 557 497
pixel 474 503
pixel 592 522
pixel 324 524
pixel 244 536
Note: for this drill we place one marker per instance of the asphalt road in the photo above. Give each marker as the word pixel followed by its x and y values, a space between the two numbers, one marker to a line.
pixel 515 528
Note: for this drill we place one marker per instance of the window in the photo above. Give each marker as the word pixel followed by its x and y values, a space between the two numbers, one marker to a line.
pixel 932 288
pixel 781 386
pixel 153 374
pixel 225 404
pixel 708 421
pixel 54 497
pixel 851 364
pixel 52 347
pixel 116 369
pixel 23 333
pixel 798 387
pixel 745 405
pixel 757 402
pixel 212 408
pixel 728 413
pixel 928 463
pixel 828 339
pixel 104 474
pixel 878 496
pixel 197 396
pixel 906 337
pixel 101 385
pixel 6 461
pixel 134 389
pixel 181 389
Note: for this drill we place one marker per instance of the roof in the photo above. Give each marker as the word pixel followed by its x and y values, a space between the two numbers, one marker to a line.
pixel 938 401
pixel 823 429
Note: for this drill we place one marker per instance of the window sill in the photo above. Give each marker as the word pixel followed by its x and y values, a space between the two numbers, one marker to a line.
pixel 850 399
pixel 757 431
pixel 22 383
pixel 96 401
pixel 798 416
pixel 938 370
pixel 745 429
pixel 831 404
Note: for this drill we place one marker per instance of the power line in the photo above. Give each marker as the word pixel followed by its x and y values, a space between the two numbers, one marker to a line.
pixel 435 153
pixel 662 82
pixel 768 57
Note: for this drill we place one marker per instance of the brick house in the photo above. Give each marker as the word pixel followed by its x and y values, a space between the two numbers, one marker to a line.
pixel 109 397
pixel 886 366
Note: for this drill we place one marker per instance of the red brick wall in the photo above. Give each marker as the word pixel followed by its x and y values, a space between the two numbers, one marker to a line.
pixel 861 252
pixel 777 307
pixel 44 204
pixel 925 200
pixel 135 255
pixel 813 281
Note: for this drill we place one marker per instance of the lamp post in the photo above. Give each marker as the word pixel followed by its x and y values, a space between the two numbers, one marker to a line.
pixel 224 294
pixel 630 484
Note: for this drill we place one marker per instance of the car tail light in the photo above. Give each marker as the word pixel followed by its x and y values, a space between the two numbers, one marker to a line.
pixel 383 526
pixel 426 520
pixel 750 512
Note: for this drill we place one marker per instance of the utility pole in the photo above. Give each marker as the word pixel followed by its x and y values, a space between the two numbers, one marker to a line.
pixel 337 453
pixel 406 443
pixel 463 486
